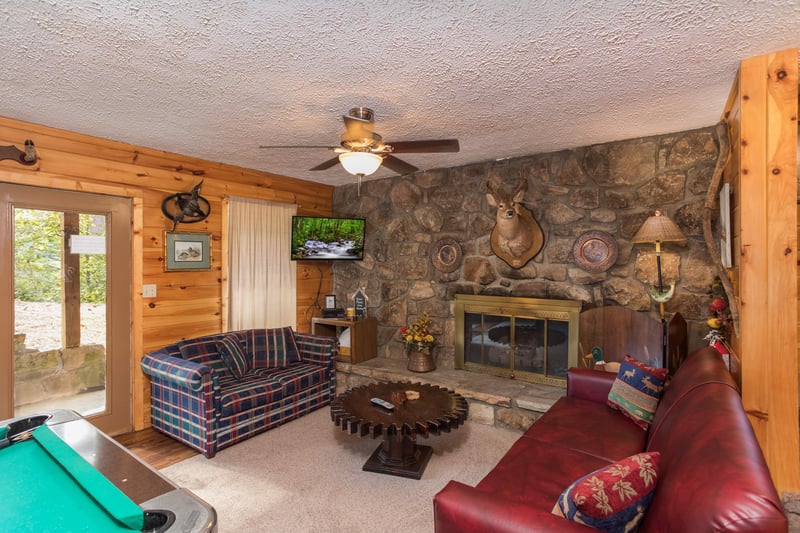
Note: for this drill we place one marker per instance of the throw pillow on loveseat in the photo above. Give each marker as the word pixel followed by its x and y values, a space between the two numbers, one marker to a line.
pixel 233 355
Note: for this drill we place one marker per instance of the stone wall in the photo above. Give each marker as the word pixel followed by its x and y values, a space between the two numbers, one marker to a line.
pixel 611 187
pixel 45 375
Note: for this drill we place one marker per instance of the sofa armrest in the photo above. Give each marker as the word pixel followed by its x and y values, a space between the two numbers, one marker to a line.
pixel 317 349
pixel 183 373
pixel 459 507
pixel 592 385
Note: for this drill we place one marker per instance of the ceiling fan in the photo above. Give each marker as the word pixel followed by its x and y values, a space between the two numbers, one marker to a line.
pixel 362 151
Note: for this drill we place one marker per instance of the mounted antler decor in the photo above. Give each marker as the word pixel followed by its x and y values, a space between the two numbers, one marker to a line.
pixel 27 157
pixel 517 237
pixel 186 207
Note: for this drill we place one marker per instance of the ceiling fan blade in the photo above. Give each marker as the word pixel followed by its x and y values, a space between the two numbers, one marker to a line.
pixel 398 165
pixel 420 147
pixel 297 146
pixel 326 164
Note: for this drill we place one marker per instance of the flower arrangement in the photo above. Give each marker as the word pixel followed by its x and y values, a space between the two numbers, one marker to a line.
pixel 719 321
pixel 720 315
pixel 418 335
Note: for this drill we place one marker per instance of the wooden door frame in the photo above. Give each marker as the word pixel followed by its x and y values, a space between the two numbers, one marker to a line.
pixel 137 213
pixel 761 114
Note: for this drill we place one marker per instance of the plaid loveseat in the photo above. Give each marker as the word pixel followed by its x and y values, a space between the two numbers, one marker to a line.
pixel 213 391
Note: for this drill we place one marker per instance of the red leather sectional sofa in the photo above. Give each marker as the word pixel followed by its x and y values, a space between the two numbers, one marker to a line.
pixel 712 474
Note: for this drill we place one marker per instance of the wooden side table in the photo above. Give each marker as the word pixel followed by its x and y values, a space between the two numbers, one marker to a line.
pixel 363 336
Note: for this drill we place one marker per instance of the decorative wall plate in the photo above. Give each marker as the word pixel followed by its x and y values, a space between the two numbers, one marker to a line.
pixel 446 255
pixel 595 251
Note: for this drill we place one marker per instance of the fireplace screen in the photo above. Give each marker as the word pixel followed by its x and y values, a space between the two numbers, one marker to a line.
pixel 524 338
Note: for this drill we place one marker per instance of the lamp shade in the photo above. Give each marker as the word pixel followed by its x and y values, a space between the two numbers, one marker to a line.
pixel 363 163
pixel 659 228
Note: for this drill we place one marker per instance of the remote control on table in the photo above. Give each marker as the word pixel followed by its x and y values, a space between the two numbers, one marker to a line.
pixel 382 403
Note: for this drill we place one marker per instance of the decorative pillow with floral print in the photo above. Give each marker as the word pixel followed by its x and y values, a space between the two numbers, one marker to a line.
pixel 613 498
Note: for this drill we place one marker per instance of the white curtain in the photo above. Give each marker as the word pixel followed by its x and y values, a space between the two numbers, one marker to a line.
pixel 262 280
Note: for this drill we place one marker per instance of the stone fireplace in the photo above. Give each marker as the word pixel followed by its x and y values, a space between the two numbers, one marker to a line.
pixel 530 339
pixel 612 187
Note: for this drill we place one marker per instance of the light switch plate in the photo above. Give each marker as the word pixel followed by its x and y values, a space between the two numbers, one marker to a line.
pixel 149 291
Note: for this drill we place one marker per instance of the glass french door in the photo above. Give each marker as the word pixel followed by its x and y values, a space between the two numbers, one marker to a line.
pixel 65 299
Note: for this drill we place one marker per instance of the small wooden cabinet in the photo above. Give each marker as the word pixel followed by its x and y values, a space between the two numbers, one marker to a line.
pixel 363 336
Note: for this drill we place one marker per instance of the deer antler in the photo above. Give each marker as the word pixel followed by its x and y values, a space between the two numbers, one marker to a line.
pixel 494 183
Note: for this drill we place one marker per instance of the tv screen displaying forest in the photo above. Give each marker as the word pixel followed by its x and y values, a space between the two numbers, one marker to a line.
pixel 327 238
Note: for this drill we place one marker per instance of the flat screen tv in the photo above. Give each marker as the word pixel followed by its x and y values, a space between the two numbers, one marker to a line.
pixel 327 238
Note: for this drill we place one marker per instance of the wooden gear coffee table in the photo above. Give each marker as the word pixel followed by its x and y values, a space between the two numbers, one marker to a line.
pixel 437 409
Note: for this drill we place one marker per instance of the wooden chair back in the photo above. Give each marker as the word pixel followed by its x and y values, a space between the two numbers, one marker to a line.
pixel 620 331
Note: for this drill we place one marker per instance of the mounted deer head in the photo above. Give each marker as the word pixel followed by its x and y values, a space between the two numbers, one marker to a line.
pixel 517 237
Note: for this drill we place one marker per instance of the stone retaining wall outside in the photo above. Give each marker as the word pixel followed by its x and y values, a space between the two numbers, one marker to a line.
pixel 50 374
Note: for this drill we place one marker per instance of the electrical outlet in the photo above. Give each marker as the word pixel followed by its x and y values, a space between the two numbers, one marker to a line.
pixel 149 291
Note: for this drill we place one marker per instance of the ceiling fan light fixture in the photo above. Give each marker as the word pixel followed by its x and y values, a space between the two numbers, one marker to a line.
pixel 364 163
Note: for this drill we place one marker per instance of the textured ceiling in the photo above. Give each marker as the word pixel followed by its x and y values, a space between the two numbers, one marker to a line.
pixel 217 78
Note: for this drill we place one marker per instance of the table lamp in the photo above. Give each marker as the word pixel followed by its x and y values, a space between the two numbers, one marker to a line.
pixel 657 229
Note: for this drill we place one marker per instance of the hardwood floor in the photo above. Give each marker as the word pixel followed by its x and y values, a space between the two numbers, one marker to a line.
pixel 155 448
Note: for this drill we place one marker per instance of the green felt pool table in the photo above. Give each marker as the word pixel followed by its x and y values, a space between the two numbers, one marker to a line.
pixel 62 474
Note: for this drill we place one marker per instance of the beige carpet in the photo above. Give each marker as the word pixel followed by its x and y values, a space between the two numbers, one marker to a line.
pixel 306 476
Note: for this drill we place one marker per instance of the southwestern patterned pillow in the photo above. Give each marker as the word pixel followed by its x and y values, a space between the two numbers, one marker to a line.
pixel 613 498
pixel 637 390
pixel 232 354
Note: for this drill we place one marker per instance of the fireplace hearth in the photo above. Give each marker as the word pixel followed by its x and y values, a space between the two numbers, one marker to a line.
pixel 530 339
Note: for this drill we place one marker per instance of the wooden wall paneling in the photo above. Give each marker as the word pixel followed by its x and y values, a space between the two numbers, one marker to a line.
pixel 38 178
pixel 306 204
pixel 179 310
pixel 314 281
pixel 65 141
pixel 188 304
pixel 69 154
pixel 183 167
pixel 767 229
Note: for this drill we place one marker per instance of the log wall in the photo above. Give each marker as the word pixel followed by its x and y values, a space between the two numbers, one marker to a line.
pixel 188 303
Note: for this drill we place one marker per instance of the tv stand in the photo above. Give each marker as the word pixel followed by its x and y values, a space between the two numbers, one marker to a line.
pixel 363 336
